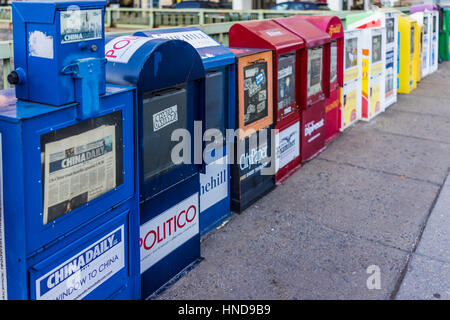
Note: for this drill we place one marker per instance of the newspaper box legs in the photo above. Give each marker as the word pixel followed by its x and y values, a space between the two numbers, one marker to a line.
pixel 68 217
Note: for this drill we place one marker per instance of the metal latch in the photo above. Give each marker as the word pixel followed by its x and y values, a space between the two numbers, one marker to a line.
pixel 87 73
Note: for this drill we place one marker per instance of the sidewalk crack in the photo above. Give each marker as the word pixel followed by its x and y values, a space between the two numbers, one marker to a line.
pixel 416 244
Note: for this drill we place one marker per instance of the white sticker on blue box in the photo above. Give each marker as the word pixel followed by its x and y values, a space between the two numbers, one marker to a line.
pixel 196 38
pixel 40 45
pixel 78 276
pixel 214 183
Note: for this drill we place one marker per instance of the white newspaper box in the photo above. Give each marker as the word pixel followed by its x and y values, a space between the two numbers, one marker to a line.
pixel 373 62
pixel 351 91
pixel 434 40
pixel 373 48
pixel 392 57
pixel 425 19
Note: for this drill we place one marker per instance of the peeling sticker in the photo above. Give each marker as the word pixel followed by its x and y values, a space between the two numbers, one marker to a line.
pixel 40 45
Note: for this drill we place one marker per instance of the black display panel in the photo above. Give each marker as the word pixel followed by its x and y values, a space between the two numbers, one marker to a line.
pixel 286 80
pixel 215 101
pixel 162 113
pixel 80 163
pixel 252 154
pixel 425 25
pixel 412 40
pixel 255 92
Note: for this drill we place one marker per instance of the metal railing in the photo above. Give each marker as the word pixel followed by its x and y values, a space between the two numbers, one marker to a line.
pixel 207 20
pixel 155 18
pixel 5 14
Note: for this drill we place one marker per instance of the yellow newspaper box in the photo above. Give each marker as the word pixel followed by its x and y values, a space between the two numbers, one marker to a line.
pixel 408 58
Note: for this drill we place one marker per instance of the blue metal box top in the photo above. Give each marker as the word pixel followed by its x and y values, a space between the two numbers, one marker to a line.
pixel 213 54
pixel 151 64
pixel 44 11
pixel 49 36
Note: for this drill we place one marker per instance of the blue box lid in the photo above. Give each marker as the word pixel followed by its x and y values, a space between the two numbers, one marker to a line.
pixel 43 11
pixel 213 54
pixel 14 110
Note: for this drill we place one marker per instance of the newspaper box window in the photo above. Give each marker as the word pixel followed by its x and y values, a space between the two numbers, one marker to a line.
pixel 93 147
pixel 351 91
pixel 313 83
pixel 169 77
pixel 286 61
pixel 219 64
pixel 68 181
pixel 333 26
pixel 252 174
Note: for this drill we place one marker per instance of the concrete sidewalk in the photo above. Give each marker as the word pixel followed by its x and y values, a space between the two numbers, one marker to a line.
pixel 428 273
pixel 364 201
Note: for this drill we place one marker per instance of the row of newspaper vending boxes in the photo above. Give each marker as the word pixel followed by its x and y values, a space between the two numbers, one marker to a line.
pixel 117 154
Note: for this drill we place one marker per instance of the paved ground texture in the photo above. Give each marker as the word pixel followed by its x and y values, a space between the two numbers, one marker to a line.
pixel 374 197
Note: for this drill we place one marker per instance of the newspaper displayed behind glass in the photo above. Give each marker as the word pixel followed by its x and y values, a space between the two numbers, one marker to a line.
pixel 78 169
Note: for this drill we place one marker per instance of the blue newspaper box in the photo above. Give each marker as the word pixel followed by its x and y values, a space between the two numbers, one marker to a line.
pixel 218 62
pixel 54 35
pixel 68 214
pixel 169 77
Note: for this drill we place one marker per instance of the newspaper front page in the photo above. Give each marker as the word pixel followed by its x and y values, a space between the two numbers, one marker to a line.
pixel 78 169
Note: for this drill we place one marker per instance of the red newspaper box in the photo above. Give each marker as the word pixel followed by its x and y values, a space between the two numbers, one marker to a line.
pixel 313 83
pixel 287 48
pixel 333 26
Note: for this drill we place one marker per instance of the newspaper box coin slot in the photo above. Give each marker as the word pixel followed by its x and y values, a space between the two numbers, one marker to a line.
pixel 286 61
pixel 219 64
pixel 169 78
pixel 252 172
pixel 333 26
pixel 67 183
pixel 313 83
